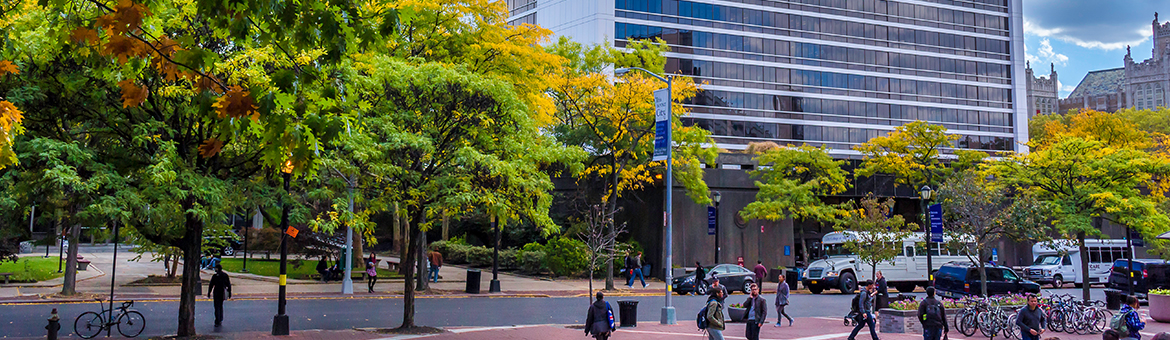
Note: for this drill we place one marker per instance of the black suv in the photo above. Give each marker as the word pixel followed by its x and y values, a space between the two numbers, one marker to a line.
pixel 1147 274
pixel 957 279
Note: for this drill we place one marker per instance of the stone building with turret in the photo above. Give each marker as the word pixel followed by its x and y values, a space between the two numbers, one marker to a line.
pixel 1139 85
pixel 1043 95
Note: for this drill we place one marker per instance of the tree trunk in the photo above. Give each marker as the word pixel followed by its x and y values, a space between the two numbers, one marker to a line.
pixel 446 225
pixel 69 287
pixel 396 231
pixel 358 253
pixel 423 272
pixel 192 244
pixel 406 241
pixel 1084 265
pixel 982 274
pixel 407 266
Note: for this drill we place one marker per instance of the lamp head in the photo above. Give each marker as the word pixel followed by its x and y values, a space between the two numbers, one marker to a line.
pixel 618 72
pixel 718 197
pixel 925 192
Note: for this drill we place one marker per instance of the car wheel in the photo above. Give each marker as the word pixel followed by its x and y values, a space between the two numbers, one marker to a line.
pixel 701 288
pixel 1057 282
pixel 905 288
pixel 815 290
pixel 229 251
pixel 747 287
pixel 848 283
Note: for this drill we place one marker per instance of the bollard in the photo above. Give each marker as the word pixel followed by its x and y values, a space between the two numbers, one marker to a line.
pixel 54 325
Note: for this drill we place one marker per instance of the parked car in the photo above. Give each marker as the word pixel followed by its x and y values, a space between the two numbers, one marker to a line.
pixel 957 279
pixel 226 245
pixel 734 277
pixel 1147 274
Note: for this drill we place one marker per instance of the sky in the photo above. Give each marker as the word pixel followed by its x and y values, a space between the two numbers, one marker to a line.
pixel 1079 36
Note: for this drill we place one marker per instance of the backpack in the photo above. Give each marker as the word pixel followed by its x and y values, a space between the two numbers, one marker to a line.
pixel 856 305
pixel 701 319
pixel 933 312
pixel 1119 324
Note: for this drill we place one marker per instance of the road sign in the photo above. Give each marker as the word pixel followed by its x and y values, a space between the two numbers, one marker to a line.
pixel 936 223
pixel 292 232
pixel 711 220
pixel 661 125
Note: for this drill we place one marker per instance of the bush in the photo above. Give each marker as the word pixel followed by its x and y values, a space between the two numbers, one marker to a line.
pixel 508 259
pixel 479 256
pixel 531 261
pixel 566 256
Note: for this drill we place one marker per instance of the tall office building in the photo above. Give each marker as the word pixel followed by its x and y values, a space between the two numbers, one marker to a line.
pixel 825 72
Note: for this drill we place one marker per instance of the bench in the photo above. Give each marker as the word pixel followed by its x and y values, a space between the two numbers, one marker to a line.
pixel 82 264
pixel 6 275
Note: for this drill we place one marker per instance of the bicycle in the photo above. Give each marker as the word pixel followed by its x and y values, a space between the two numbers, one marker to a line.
pixel 130 323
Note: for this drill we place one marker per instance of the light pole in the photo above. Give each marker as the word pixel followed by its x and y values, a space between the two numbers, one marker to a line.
pixel 718 197
pixel 347 282
pixel 280 321
pixel 668 314
pixel 925 193
pixel 494 286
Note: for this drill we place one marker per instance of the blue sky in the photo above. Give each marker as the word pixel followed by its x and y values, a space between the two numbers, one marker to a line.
pixel 1079 36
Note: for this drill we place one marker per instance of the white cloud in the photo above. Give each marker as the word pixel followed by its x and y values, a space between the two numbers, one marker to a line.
pixel 1051 56
pixel 1065 88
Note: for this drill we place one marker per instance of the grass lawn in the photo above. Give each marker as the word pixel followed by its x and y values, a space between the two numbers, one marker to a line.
pixel 297 269
pixel 31 269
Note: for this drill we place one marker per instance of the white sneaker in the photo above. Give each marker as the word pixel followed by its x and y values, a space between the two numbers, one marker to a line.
pixel 645 285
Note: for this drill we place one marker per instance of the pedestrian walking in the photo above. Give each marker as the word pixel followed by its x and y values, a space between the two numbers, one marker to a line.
pixel 933 315
pixel 1133 323
pixel 372 272
pixel 757 312
pixel 781 302
pixel 700 276
pixel 323 268
pixel 715 285
pixel 715 325
pixel 599 320
pixel 436 261
pixel 883 292
pixel 1031 320
pixel 865 301
pixel 220 288
pixel 761 272
pixel 636 270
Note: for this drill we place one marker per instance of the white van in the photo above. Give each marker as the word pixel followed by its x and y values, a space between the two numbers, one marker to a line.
pixel 1057 262
pixel 842 270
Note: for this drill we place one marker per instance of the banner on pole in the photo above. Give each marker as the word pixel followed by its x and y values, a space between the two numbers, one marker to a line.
pixel 661 125
pixel 711 220
pixel 936 223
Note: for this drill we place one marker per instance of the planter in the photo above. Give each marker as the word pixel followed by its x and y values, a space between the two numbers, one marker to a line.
pixel 906 321
pixel 1159 307
pixel 736 314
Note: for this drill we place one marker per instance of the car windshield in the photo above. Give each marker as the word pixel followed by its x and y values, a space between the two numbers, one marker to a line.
pixel 1047 260
pixel 834 249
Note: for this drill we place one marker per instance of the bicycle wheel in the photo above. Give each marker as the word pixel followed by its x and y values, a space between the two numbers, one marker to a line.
pixel 131 323
pixel 986 324
pixel 88 325
pixel 1012 331
pixel 1056 320
pixel 1101 320
pixel 967 324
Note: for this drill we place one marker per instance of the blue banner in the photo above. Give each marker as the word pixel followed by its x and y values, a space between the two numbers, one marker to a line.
pixel 661 125
pixel 936 223
pixel 712 217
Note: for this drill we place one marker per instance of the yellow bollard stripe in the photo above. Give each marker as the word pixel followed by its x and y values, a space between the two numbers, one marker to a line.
pixel 283 279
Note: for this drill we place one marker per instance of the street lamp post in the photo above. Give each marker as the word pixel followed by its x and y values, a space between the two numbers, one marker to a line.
pixel 494 285
pixel 925 193
pixel 668 313
pixel 718 197
pixel 347 282
pixel 280 321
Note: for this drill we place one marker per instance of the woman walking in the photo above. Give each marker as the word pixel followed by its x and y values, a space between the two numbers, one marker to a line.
pixel 781 302
pixel 372 272
pixel 599 320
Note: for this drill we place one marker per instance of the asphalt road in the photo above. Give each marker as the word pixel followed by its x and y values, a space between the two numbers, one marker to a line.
pixel 256 315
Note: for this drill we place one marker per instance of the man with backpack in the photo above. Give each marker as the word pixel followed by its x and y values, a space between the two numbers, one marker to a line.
pixel 1031 320
pixel 711 317
pixel 599 320
pixel 1126 324
pixel 933 316
pixel 864 306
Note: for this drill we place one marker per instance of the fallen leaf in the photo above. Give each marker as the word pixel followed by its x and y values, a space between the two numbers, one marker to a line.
pixel 132 94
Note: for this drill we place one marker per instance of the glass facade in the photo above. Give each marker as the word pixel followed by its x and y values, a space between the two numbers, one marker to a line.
pixel 836 72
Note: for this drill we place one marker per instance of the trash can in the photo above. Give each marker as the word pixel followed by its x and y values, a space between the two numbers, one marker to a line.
pixel 628 311
pixel 792 278
pixel 1112 300
pixel 472 281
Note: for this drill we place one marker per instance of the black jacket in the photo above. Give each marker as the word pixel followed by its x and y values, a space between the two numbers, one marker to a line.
pixel 629 262
pixel 1030 319
pixel 597 320
pixel 930 323
pixel 219 284
pixel 761 308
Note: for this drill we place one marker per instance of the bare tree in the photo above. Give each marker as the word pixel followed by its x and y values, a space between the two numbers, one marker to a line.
pixel 600 236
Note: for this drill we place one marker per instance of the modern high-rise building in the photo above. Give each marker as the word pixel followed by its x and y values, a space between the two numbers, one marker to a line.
pixel 825 72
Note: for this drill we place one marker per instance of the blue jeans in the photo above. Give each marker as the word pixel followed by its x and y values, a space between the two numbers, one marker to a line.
pixel 931 333
pixel 1028 336
pixel 434 273
pixel 637 273
pixel 714 334
pixel 868 321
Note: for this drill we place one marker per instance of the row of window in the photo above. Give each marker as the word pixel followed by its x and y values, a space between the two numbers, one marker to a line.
pixel 843 28
pixel 842 119
pixel 928 16
pixel 792 107
pixel 982 96
pixel 1149 96
pixel 527 19
pixel 909 64
pixel 811 133
pixel 878 40
pixel 520 6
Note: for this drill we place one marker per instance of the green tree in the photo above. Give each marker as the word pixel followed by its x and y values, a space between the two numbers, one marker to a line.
pixel 980 211
pixel 911 153
pixel 872 234
pixel 792 181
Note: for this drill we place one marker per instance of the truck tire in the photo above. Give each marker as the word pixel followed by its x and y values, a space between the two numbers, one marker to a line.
pixel 905 287
pixel 848 283
pixel 1077 285
pixel 1057 281
pixel 815 290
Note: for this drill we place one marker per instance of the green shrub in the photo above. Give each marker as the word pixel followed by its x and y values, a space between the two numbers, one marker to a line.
pixel 462 239
pixel 458 254
pixel 566 256
pixel 508 259
pixel 531 261
pixel 479 256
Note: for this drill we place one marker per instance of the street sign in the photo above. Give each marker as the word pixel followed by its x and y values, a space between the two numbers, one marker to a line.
pixel 711 220
pixel 936 223
pixel 661 125
pixel 1137 238
pixel 292 232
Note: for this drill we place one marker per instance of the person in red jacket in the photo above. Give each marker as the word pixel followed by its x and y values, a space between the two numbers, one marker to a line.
pixel 761 272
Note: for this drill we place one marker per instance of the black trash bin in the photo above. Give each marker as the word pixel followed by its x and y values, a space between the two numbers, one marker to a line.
pixel 628 311
pixel 472 281
pixel 1112 300
pixel 792 278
